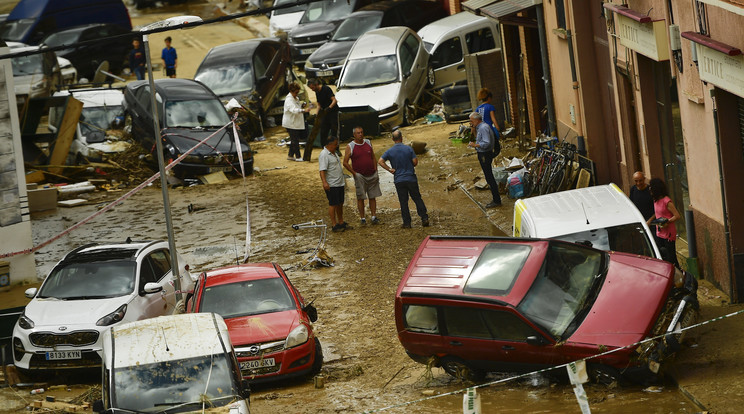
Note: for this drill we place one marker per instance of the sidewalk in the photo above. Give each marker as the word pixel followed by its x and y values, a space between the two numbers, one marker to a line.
pixel 709 368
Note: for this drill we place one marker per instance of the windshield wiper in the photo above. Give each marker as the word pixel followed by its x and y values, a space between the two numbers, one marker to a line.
pixel 208 404
pixel 87 297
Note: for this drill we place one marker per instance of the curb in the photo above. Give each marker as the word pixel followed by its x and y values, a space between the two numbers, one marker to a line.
pixel 688 394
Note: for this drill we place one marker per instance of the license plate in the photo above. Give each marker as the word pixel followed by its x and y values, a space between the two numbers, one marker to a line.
pixel 218 169
pixel 277 110
pixel 64 355
pixel 308 51
pixel 325 73
pixel 257 363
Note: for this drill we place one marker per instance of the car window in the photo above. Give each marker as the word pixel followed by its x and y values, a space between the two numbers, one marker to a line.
pixel 195 113
pixel 323 11
pixel 27 65
pixel 485 324
pixel 61 38
pixel 628 238
pixel 408 53
pixel 262 59
pixel 98 279
pixel 160 261
pixel 497 269
pixel 351 29
pixel 419 318
pixel 197 287
pixel 480 40
pixel 247 298
pixel 293 9
pixel 147 274
pixel 448 53
pixel 143 97
pixel 224 80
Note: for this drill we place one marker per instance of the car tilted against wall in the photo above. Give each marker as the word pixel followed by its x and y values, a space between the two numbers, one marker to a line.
pixel 473 305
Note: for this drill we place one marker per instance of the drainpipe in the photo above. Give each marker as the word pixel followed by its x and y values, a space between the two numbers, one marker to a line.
pixel 726 230
pixel 574 82
pixel 546 69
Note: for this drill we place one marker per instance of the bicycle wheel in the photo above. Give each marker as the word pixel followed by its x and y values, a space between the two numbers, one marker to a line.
pixel 556 181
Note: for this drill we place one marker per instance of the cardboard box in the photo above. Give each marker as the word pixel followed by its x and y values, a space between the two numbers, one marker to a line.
pixel 42 199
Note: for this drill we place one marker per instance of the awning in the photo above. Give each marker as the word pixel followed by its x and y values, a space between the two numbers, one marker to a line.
pixel 498 8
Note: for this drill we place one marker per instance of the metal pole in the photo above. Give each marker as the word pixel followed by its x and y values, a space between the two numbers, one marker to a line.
pixel 161 168
pixel 546 70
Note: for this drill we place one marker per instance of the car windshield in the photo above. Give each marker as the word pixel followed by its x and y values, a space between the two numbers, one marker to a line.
pixel 428 46
pixel 16 29
pixel 195 113
pixel 565 288
pixel 92 280
pixel 27 65
pixel 61 38
pixel 98 118
pixel 247 298
pixel 362 73
pixel 354 27
pixel 293 9
pixel 628 238
pixel 324 11
pixel 226 80
pixel 175 386
pixel 497 268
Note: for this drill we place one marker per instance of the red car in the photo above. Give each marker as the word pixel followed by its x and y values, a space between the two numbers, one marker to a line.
pixel 269 323
pixel 473 305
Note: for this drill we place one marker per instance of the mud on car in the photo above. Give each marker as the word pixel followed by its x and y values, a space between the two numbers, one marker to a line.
pixel 473 305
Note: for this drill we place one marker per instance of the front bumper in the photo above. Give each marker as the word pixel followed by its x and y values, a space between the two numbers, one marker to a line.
pixel 288 363
pixel 30 357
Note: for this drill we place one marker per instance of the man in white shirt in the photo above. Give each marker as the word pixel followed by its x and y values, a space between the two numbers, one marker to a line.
pixel 332 176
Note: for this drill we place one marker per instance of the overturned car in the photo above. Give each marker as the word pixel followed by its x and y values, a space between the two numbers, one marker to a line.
pixel 473 305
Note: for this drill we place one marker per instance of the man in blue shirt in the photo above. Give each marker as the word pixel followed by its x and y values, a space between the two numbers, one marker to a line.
pixel 484 145
pixel 403 161
pixel 170 58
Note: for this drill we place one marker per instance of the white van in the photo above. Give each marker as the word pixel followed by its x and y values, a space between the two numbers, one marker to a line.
pixel 602 217
pixel 448 40
pixel 178 363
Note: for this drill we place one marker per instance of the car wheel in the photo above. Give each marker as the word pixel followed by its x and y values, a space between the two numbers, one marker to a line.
pixel 409 113
pixel 431 77
pixel 460 370
pixel 318 361
pixel 604 374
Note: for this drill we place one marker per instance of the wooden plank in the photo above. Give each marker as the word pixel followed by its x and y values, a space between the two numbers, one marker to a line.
pixel 65 134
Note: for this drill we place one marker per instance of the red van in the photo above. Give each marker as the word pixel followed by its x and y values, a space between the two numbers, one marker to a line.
pixel 473 305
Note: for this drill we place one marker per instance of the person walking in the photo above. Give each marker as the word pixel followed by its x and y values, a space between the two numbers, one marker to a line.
pixel 403 162
pixel 332 177
pixel 328 113
pixel 484 145
pixel 137 59
pixel 665 214
pixel 488 115
pixel 360 161
pixel 293 121
pixel 170 58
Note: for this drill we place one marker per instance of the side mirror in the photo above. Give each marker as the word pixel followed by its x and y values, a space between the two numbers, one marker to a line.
pixel 536 340
pixel 312 313
pixel 30 292
pixel 152 287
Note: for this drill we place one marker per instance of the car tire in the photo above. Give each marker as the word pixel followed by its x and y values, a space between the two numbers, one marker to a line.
pixel 409 113
pixel 431 77
pixel 459 369
pixel 318 360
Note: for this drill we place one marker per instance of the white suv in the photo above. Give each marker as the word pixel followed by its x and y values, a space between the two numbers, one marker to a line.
pixel 90 289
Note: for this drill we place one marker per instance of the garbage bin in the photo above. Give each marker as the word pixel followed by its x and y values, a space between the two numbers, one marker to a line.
pixel 353 116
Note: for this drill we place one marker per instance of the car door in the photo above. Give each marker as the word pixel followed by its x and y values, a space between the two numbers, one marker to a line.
pixel 142 128
pixel 448 62
pixel 268 67
pixel 155 268
pixel 410 64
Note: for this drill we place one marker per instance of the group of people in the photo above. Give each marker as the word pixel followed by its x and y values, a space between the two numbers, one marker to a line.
pixel 138 60
pixel 652 200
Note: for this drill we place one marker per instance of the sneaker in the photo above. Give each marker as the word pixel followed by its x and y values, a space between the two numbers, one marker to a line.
pixel 375 220
pixel 299 160
pixel 493 204
pixel 337 228
pixel 425 222
pixel 364 221
pixel 405 226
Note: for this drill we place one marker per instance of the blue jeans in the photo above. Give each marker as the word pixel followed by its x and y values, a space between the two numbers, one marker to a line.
pixel 410 188
pixel 139 72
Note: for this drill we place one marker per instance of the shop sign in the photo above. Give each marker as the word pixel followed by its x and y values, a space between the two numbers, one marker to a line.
pixel 721 69
pixel 649 39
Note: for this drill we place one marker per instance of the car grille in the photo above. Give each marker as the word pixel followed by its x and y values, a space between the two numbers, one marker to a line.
pixel 299 41
pixel 248 373
pixel 252 350
pixel 88 359
pixel 50 340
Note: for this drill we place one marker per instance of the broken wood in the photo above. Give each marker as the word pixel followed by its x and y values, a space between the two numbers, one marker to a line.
pixel 66 133
pixel 310 140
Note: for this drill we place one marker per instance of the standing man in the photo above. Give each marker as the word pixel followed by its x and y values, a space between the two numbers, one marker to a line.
pixel 363 168
pixel 640 195
pixel 328 113
pixel 403 161
pixel 170 58
pixel 484 145
pixel 137 59
pixel 332 176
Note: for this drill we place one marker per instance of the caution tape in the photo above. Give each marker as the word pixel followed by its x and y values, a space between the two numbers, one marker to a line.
pixel 407 403
pixel 113 203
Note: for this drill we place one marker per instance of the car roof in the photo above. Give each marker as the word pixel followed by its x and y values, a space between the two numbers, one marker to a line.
pixel 80 28
pixel 176 88
pixel 232 53
pixel 442 265
pixel 433 31
pixel 95 97
pixel 378 42
pixel 239 273
pixel 578 210
pixel 95 252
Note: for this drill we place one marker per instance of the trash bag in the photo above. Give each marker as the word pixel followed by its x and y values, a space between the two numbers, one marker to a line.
pixel 515 184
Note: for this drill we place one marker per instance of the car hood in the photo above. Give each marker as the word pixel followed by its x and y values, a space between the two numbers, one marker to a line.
pixel 331 52
pixel 313 29
pixel 55 312
pixel 634 292
pixel 184 139
pixel 266 327
pixel 378 97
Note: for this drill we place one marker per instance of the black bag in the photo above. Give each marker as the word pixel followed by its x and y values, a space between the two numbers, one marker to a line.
pixel 497 142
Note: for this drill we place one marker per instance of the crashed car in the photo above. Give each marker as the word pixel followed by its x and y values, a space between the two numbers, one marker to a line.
pixel 473 305
pixel 269 322
pixel 189 113
pixel 255 72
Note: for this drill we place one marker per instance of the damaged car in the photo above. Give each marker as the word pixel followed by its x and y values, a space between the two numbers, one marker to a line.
pixel 189 113
pixel 269 322
pixel 473 305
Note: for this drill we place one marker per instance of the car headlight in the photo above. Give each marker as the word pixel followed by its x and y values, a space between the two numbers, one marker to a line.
pixel 113 317
pixel 298 336
pixel 24 322
pixel 309 64
pixel 170 149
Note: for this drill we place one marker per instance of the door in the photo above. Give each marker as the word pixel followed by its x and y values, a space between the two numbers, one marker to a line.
pixel 412 66
pixel 155 268
pixel 447 61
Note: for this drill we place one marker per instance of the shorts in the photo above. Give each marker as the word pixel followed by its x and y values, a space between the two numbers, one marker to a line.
pixel 335 196
pixel 170 72
pixel 367 186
